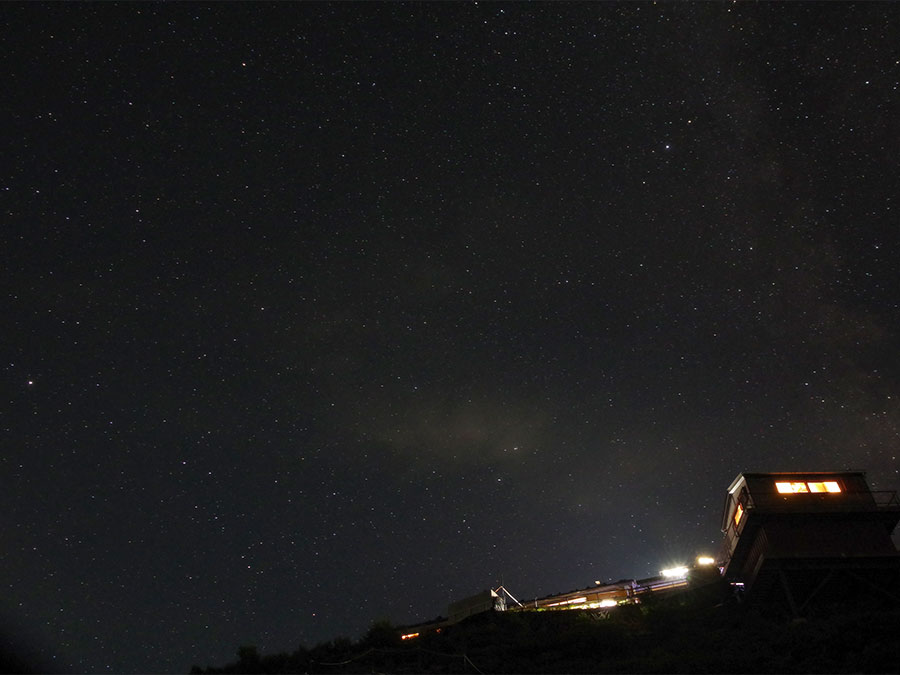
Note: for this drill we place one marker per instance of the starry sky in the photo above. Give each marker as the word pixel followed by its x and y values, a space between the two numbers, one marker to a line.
pixel 321 313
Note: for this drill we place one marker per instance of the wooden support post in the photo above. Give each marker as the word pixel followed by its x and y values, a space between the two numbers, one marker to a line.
pixel 818 588
pixel 787 591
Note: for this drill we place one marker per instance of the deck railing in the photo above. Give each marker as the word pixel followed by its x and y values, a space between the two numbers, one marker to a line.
pixel 844 501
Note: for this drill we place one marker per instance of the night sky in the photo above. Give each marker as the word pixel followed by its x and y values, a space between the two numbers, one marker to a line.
pixel 316 314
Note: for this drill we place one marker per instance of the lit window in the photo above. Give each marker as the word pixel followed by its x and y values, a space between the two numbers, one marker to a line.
pixel 791 488
pixel 738 513
pixel 812 486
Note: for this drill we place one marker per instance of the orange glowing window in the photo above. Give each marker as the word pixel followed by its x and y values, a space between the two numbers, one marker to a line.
pixel 738 514
pixel 811 486
pixel 791 488
pixel 824 486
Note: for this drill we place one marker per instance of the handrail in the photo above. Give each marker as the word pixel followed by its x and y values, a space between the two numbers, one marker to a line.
pixel 846 501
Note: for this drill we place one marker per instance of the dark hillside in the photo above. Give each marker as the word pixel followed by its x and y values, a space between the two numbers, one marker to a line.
pixel 660 638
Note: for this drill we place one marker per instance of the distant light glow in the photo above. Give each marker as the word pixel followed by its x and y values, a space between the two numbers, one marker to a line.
pixel 675 572
pixel 608 603
pixel 409 636
pixel 706 560
pixel 573 601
